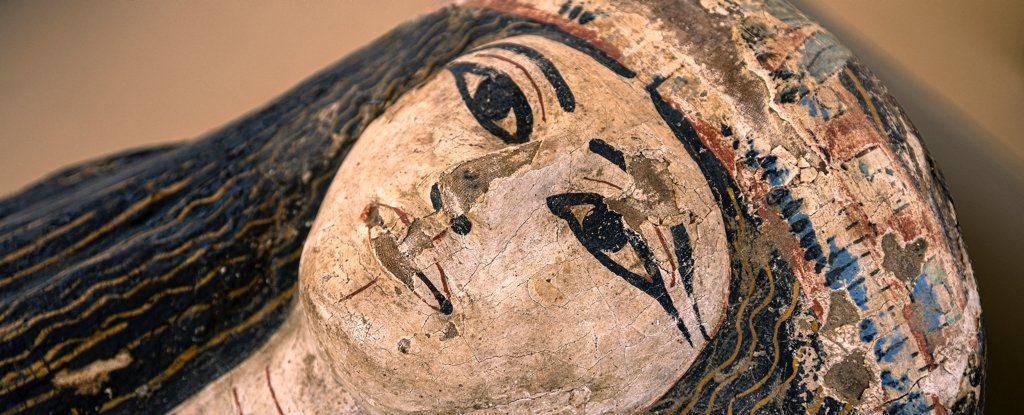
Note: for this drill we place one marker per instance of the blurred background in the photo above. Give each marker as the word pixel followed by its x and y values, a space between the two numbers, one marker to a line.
pixel 79 80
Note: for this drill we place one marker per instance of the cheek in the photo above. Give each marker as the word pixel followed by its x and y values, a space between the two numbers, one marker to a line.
pixel 532 308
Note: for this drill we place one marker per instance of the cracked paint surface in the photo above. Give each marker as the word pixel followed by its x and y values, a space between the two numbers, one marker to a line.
pixel 719 211
pixel 539 318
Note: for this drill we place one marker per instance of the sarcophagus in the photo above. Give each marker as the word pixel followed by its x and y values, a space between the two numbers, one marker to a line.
pixel 512 207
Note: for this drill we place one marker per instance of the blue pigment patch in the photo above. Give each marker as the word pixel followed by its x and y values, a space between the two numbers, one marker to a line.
pixel 843 269
pixel 867 330
pixel 814 108
pixel 799 225
pixel 863 169
pixel 891 382
pixel 773 174
pixel 925 303
pixel 823 55
pixel 886 348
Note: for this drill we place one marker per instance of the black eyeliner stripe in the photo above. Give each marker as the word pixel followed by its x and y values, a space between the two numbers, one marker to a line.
pixel 565 97
pixel 591 51
pixel 684 256
pixel 612 154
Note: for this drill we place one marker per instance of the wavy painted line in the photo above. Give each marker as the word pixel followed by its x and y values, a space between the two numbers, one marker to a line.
pixel 46 238
pixel 739 341
pixel 753 331
pixel 775 346
pixel 107 227
pixel 190 353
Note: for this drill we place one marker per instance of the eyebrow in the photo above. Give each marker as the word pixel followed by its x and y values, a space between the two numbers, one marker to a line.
pixel 588 49
pixel 612 154
pixel 565 97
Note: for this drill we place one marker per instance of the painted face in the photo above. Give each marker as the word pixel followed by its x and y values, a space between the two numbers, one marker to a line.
pixel 522 226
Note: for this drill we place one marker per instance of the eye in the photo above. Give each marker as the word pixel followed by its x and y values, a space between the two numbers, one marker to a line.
pixel 602 232
pixel 495 100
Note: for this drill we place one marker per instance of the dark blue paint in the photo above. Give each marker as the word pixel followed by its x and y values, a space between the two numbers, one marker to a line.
pixel 867 330
pixel 886 348
pixel 926 304
pixel 899 385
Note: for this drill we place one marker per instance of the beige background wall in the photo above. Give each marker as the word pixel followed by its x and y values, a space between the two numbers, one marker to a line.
pixel 83 79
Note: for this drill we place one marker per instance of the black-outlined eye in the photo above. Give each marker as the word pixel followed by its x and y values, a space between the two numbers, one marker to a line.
pixel 496 97
pixel 602 232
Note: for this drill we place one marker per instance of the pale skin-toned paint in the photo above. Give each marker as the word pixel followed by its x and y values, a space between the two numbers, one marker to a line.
pixel 539 320
pixel 858 191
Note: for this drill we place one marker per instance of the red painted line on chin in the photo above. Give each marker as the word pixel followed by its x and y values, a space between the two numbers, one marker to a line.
pixel 238 403
pixel 273 395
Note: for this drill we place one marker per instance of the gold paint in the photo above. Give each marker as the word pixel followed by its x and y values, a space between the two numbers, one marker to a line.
pixel 103 284
pixel 242 290
pixel 739 341
pixel 251 224
pixel 213 272
pixel 190 353
pixel 819 399
pixel 867 99
pixel 101 257
pixel 152 301
pixel 763 402
pixel 56 349
pixel 775 345
pixel 736 207
pixel 88 293
pixel 46 238
pixel 118 220
pixel 206 200
pixel 753 335
pixel 33 401
pixel 39 368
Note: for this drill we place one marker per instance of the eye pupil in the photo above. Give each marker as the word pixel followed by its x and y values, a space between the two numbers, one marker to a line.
pixel 496 95
pixel 493 99
pixel 603 230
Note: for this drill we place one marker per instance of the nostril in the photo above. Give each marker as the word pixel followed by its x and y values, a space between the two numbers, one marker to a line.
pixel 435 198
pixel 461 225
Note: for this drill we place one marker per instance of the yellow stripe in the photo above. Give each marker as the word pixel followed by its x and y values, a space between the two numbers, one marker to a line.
pixel 117 221
pixel 152 301
pixel 763 402
pixel 251 224
pixel 739 341
pixel 819 399
pixel 188 244
pixel 736 206
pixel 39 369
pixel 46 238
pixel 241 290
pixel 88 293
pixel 775 345
pixel 867 99
pixel 753 330
pixel 206 200
pixel 33 401
pixel 216 270
pixel 149 304
pixel 284 260
pixel 190 353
